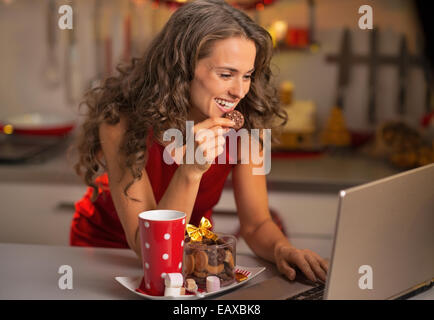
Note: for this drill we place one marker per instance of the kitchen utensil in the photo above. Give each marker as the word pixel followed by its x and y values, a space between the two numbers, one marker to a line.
pixel 336 132
pixel 311 29
pixel 16 149
pixel 96 81
pixel 39 124
pixel 117 33
pixel 403 66
pixel 51 73
pixel 373 65
pixel 106 38
pixel 428 115
pixel 108 56
pixel 428 92
pixel 72 68
pixel 127 33
pixel 344 68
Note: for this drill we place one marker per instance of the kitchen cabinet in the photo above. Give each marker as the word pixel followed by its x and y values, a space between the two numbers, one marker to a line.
pixel 37 199
pixel 37 213
pixel 41 213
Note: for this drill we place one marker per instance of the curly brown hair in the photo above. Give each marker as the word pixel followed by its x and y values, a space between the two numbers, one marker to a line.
pixel 153 92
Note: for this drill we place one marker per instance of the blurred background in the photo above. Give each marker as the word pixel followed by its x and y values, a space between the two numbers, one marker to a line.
pixel 360 103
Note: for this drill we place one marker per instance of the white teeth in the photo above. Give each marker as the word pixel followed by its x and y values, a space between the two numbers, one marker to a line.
pixel 225 104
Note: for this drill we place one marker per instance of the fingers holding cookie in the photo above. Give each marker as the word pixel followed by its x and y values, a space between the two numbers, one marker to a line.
pixel 236 117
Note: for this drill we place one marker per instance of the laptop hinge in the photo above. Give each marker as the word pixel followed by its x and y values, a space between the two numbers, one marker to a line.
pixel 413 290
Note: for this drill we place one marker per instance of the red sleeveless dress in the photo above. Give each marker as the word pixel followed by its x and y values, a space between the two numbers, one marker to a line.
pixel 97 224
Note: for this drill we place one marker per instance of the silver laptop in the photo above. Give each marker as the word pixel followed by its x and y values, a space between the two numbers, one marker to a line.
pixel 383 246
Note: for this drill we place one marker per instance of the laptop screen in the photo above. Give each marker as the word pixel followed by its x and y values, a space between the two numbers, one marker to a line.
pixel 384 239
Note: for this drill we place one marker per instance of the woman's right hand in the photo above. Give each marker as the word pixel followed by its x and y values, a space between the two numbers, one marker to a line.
pixel 208 144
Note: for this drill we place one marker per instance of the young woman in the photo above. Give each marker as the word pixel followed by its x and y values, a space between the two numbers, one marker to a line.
pixel 209 58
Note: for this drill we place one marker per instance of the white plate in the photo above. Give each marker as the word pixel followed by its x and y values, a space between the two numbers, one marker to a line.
pixel 133 283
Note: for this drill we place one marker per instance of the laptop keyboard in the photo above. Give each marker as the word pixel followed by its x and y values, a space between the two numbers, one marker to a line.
pixel 316 293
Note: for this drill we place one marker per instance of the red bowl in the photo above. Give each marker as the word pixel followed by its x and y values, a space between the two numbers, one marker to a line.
pixel 39 124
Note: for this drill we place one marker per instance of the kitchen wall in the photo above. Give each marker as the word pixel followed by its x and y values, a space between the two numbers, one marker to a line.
pixel 24 54
pixel 23 57
pixel 24 87
pixel 316 80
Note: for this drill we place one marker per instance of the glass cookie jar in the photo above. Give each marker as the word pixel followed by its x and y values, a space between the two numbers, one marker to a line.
pixel 210 258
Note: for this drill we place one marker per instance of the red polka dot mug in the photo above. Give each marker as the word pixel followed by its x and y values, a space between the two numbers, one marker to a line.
pixel 162 245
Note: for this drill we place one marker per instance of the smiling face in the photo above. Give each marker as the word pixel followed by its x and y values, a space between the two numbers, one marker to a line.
pixel 222 79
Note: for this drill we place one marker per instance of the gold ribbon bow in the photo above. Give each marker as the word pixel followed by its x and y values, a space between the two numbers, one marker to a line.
pixel 196 233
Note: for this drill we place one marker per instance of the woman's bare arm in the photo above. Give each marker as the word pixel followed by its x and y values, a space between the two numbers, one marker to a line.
pixel 128 209
pixel 262 234
pixel 181 192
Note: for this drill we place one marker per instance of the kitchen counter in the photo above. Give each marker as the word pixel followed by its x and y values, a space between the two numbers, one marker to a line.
pixel 32 272
pixel 323 173
pixel 326 172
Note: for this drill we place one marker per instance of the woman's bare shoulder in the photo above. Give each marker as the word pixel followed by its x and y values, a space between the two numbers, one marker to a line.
pixel 111 138
pixel 112 132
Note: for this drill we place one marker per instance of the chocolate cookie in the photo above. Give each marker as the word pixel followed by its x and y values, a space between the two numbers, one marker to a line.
pixel 200 281
pixel 212 258
pixel 229 270
pixel 221 254
pixel 220 241
pixel 226 279
pixel 214 269
pixel 200 261
pixel 189 264
pixel 215 256
pixel 207 241
pixel 229 259
pixel 200 274
pixel 236 117
pixel 209 257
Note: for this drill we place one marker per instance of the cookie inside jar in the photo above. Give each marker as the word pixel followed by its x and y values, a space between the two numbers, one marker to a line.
pixel 210 258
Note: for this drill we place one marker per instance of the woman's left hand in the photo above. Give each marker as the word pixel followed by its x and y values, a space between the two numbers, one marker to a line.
pixel 310 263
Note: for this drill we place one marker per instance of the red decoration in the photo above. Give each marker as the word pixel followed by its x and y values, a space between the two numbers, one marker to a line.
pixel 250 4
pixel 240 4
pixel 297 37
